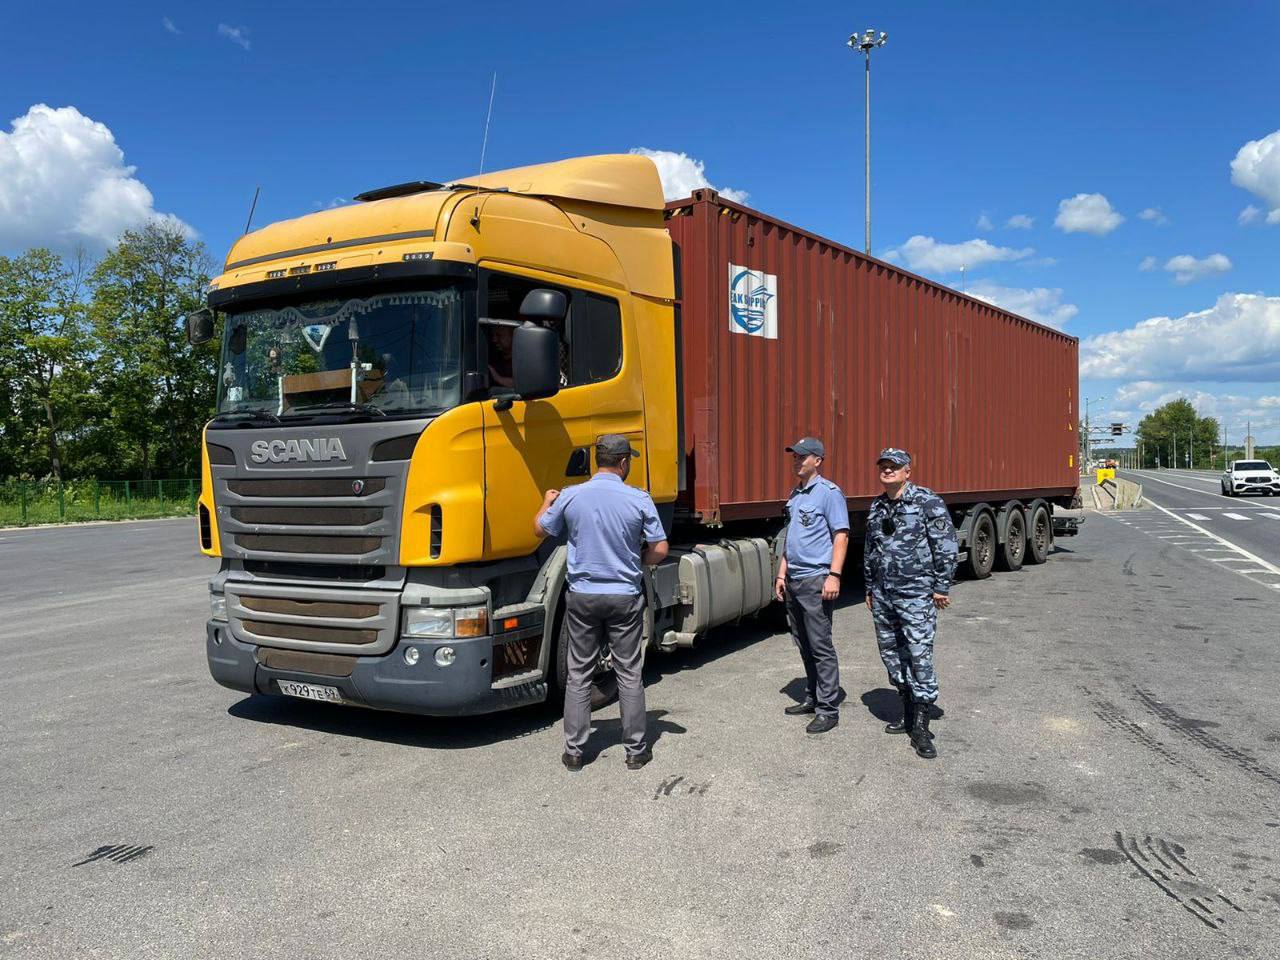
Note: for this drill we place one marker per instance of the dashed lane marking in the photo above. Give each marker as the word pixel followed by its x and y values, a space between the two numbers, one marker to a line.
pixel 1236 516
pixel 1263 567
pixel 1197 516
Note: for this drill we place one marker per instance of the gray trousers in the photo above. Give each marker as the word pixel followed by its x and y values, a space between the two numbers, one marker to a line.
pixel 810 619
pixel 591 617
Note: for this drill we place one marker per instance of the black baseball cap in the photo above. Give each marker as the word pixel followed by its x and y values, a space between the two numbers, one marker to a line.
pixel 807 445
pixel 616 445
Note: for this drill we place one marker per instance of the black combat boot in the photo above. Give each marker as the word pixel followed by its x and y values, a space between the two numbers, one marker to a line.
pixel 921 738
pixel 908 707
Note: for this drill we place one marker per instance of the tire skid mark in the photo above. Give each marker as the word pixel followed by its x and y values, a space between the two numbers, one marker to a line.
pixel 1110 714
pixel 1145 855
pixel 1189 728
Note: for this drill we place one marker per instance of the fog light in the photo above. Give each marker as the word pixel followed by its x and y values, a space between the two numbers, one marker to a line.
pixel 411 655
pixel 217 638
pixel 445 656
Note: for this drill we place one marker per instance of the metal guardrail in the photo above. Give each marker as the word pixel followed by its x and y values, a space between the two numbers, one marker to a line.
pixel 30 502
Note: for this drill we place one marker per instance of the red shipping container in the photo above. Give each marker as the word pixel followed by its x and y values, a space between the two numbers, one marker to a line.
pixel 785 334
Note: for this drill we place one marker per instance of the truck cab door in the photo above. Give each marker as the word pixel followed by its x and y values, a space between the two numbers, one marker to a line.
pixel 531 446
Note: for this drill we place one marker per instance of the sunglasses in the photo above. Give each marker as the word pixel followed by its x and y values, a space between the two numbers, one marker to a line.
pixel 891 468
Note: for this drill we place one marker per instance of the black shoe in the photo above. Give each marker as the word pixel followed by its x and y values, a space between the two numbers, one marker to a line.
pixel 908 713
pixel 798 709
pixel 571 762
pixel 639 760
pixel 822 724
pixel 921 738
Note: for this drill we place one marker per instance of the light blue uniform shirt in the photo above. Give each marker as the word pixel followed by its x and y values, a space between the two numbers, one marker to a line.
pixel 605 520
pixel 816 513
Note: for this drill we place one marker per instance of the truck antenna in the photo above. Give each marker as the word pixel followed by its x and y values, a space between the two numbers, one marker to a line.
pixel 252 207
pixel 485 143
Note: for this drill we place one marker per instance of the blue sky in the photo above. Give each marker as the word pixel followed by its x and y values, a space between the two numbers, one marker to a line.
pixel 995 110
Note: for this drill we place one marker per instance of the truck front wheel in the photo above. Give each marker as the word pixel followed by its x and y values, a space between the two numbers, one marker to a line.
pixel 604 687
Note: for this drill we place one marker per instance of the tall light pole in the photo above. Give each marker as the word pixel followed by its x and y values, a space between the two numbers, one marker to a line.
pixel 869 41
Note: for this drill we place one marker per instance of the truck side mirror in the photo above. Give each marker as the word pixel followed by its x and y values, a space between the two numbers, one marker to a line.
pixel 535 361
pixel 543 305
pixel 200 326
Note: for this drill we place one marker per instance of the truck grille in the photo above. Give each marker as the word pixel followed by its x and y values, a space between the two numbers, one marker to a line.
pixel 321 619
pixel 329 519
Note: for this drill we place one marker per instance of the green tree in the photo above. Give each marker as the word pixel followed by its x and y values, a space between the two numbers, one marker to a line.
pixel 43 362
pixel 1177 426
pixel 158 389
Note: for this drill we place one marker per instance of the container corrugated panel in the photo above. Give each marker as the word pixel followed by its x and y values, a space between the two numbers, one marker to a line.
pixel 866 356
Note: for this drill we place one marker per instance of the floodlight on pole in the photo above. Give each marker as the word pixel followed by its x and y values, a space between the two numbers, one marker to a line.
pixel 869 41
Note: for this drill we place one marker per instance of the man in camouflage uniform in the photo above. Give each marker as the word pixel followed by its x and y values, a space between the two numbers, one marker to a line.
pixel 908 559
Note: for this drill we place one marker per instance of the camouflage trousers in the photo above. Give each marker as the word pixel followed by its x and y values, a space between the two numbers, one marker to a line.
pixel 904 633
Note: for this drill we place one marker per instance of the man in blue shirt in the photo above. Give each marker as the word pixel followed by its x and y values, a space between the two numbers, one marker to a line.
pixel 809 579
pixel 605 522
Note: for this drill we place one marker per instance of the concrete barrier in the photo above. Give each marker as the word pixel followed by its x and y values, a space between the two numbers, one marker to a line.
pixel 1122 494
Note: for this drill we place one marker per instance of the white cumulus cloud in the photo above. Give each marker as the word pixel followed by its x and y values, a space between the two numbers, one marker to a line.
pixel 1020 221
pixel 169 25
pixel 1237 339
pixel 64 183
pixel 1148 263
pixel 1186 268
pixel 1087 213
pixel 1041 304
pixel 681 174
pixel 1248 215
pixel 1155 215
pixel 927 255
pixel 1256 168
pixel 984 222
pixel 237 35
pixel 1233 407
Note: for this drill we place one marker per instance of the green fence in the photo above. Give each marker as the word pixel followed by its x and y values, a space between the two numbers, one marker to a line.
pixel 24 502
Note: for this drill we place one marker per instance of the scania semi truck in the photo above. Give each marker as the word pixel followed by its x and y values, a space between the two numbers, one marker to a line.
pixel 402 379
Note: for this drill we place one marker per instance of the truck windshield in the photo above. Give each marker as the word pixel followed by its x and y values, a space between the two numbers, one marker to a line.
pixel 387 353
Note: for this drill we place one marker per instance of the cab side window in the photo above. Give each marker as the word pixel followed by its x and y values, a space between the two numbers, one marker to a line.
pixel 590 335
pixel 597 328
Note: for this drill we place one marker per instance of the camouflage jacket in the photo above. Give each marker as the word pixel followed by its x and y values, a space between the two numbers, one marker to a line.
pixel 911 548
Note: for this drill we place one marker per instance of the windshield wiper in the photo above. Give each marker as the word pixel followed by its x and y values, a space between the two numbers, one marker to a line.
pixel 247 415
pixel 346 405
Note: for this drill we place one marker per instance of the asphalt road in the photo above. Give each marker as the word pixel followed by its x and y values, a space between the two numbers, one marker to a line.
pixel 1252 522
pixel 1108 784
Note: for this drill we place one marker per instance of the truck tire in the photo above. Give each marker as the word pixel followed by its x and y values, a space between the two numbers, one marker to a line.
pixel 1040 536
pixel 603 691
pixel 1014 549
pixel 982 547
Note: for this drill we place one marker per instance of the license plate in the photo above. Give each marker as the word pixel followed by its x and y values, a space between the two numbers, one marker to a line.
pixel 310 691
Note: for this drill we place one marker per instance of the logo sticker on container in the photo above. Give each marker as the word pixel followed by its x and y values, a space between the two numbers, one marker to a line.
pixel 753 302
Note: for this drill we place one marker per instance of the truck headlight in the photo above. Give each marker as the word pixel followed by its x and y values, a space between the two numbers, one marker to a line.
pixel 218 606
pixel 445 622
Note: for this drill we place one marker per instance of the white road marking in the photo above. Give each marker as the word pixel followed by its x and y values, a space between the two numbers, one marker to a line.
pixel 1236 516
pixel 1268 567
pixel 1217 493
pixel 1197 516
pixel 1270 516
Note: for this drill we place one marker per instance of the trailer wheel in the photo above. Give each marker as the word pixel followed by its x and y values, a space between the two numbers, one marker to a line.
pixel 982 547
pixel 1040 538
pixel 604 688
pixel 1014 548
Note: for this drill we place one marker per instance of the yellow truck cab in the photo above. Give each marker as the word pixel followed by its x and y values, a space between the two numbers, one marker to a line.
pixel 371 476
